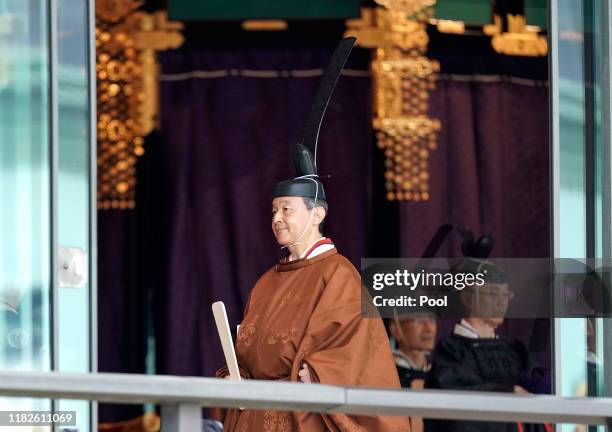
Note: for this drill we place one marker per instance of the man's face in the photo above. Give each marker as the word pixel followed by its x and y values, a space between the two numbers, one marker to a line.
pixel 492 302
pixel 417 333
pixel 289 217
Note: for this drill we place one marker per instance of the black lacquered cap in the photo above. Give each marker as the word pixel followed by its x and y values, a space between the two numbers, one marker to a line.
pixel 299 187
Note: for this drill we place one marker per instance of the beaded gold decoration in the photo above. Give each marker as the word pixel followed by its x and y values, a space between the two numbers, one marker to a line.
pixel 402 77
pixel 127 92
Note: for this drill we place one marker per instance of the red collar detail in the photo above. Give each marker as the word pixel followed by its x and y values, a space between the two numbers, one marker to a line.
pixel 317 244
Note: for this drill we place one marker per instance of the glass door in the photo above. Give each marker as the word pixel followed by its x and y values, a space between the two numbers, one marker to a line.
pixel 26 284
pixel 47 181
pixel 580 101
pixel 75 291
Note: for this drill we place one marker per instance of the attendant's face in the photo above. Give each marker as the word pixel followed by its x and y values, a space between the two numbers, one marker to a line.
pixel 289 217
pixel 491 303
pixel 417 334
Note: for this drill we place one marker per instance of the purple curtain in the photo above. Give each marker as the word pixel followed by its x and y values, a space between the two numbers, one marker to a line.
pixel 121 304
pixel 490 170
pixel 131 246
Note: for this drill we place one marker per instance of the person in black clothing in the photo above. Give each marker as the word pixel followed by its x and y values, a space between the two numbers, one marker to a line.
pixel 474 357
pixel 415 338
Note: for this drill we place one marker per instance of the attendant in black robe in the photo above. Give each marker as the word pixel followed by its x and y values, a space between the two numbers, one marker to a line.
pixel 467 361
pixel 415 338
pixel 474 357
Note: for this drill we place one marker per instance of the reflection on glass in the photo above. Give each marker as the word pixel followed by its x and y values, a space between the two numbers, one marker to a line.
pixel 572 197
pixel 25 192
pixel 73 179
pixel 579 59
pixel 24 187
pixel 73 191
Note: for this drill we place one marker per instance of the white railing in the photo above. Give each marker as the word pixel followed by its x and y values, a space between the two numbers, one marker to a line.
pixel 181 398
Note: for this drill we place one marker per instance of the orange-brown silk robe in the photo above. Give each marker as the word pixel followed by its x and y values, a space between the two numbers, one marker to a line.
pixel 309 310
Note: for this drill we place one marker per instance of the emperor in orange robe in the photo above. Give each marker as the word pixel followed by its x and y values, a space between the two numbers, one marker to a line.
pixel 309 311
pixel 303 319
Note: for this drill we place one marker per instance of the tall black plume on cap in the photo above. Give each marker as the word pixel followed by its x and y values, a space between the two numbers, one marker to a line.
pixel 305 158
pixel 306 183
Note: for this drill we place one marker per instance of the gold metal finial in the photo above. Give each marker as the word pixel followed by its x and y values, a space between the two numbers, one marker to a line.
pixel 519 40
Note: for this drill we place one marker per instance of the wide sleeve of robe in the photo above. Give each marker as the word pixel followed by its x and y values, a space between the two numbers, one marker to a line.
pixel 342 348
